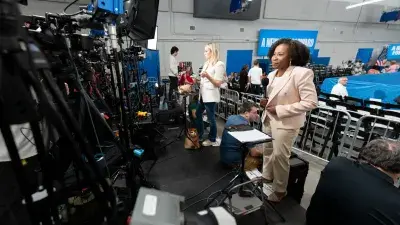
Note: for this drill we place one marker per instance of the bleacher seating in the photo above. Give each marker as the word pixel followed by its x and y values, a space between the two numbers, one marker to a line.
pixel 321 72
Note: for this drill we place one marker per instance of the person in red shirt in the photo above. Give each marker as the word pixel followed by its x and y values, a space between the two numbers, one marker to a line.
pixel 186 77
pixel 186 81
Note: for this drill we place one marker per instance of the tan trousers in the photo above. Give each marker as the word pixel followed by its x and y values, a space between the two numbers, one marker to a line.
pixel 276 156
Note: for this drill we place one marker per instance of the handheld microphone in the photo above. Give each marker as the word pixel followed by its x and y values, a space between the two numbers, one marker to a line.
pixel 265 82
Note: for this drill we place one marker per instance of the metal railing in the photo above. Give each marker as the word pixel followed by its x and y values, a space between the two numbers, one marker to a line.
pixel 229 103
pixel 328 132
pixel 370 127
pixel 324 133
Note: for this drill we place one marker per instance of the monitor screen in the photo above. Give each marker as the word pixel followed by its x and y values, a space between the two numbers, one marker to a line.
pixel 152 43
pixel 143 25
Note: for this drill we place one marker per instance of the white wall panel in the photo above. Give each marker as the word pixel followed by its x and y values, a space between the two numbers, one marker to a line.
pixel 163 23
pixel 290 9
pixel 193 51
pixel 339 33
pixel 337 12
pixel 329 31
pixel 181 6
pixel 389 3
pixel 163 5
pixel 41 7
pixel 212 28
pixel 371 13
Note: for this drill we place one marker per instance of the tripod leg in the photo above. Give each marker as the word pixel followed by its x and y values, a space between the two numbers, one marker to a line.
pixel 223 191
pixel 276 211
pixel 181 133
pixel 151 167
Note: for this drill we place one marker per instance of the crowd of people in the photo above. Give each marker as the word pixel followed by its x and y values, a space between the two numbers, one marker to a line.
pixel 291 93
pixel 248 80
pixel 390 67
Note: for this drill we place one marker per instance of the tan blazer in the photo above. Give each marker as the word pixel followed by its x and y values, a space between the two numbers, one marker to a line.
pixel 292 99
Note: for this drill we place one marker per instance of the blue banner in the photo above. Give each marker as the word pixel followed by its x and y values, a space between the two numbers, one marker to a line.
pixel 364 54
pixel 267 37
pixel 393 52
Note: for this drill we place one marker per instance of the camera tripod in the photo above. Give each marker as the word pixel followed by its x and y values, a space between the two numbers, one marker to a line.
pixel 228 190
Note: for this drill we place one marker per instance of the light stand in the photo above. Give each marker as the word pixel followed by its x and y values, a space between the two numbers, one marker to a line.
pixel 241 174
pixel 31 67
pixel 112 32
pixel 114 90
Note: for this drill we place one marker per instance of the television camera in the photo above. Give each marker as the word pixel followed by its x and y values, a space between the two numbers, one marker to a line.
pixel 156 207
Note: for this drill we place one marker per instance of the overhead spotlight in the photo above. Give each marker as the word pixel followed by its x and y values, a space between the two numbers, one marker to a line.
pixel 363 3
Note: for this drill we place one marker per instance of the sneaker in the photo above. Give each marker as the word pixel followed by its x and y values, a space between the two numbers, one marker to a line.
pixel 209 143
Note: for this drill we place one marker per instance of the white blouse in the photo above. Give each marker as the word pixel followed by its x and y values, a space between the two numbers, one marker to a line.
pixel 209 92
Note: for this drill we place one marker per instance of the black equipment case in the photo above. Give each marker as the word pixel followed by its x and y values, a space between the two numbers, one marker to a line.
pixel 297 177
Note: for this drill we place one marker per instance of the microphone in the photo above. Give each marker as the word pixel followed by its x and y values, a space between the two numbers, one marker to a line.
pixel 265 82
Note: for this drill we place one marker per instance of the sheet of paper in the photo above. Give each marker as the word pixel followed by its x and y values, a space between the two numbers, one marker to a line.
pixel 249 136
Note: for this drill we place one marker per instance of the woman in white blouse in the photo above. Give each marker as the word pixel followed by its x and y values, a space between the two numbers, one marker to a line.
pixel 212 76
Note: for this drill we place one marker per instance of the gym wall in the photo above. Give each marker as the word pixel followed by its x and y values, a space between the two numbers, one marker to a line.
pixel 341 32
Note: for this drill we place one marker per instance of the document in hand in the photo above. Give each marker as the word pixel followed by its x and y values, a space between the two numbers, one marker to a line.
pixel 250 136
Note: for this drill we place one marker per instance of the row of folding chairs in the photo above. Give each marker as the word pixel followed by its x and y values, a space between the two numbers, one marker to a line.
pixel 357 101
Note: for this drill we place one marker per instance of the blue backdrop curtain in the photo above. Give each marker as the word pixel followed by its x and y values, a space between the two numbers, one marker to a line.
pixel 235 59
pixel 151 64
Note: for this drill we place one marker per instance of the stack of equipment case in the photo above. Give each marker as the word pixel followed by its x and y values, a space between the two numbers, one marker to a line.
pixel 297 177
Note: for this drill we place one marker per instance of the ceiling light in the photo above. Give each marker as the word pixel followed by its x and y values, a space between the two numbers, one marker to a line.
pixel 363 3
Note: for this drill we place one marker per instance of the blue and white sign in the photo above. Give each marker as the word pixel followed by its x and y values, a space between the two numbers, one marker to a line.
pixel 267 37
pixel 393 52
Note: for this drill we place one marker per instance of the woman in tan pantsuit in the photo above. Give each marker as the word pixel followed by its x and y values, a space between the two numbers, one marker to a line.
pixel 291 93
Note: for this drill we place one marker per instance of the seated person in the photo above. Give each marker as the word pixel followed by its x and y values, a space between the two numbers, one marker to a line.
pixel 359 192
pixel 230 151
pixel 374 70
pixel 186 82
pixel 340 89
pixel 394 67
pixel 186 77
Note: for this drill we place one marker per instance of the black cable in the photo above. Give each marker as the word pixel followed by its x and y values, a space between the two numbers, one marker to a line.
pixel 1 66
pixel 195 203
pixel 105 194
pixel 69 5
pixel 205 189
pixel 24 128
